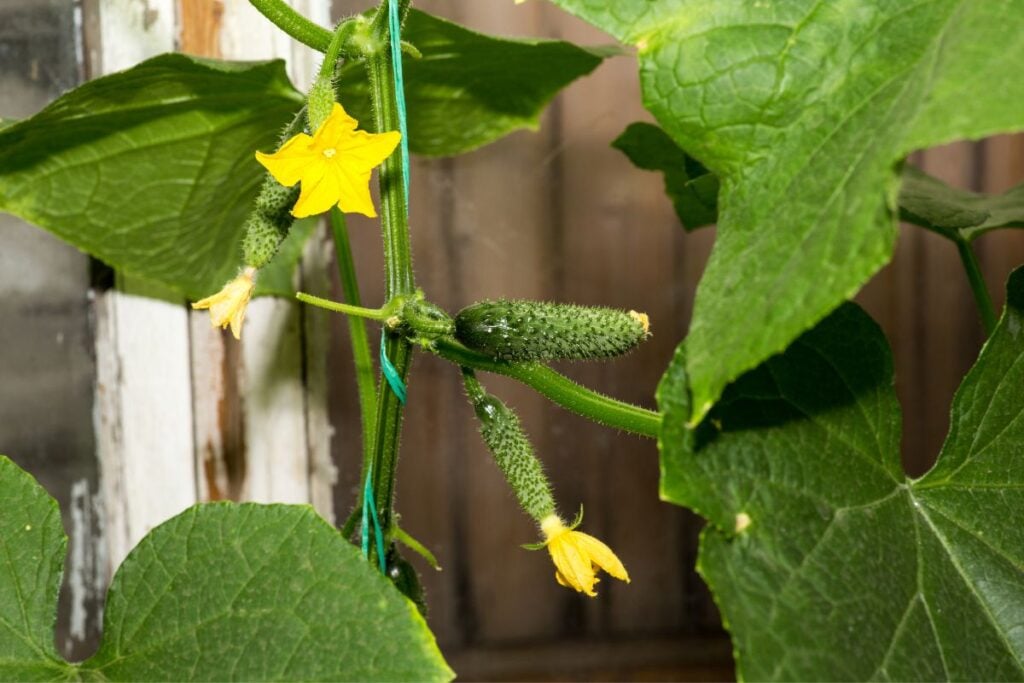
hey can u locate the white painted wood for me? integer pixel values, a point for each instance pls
(144, 404)
(211, 401)
(323, 474)
(286, 432)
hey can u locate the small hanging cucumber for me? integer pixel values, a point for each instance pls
(269, 222)
(505, 438)
(535, 330)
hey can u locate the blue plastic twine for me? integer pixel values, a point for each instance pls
(370, 512)
(390, 373)
(395, 28)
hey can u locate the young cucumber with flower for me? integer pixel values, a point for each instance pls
(325, 161)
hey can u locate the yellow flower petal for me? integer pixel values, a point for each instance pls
(227, 307)
(318, 193)
(368, 149)
(601, 555)
(354, 193)
(334, 165)
(577, 556)
(288, 164)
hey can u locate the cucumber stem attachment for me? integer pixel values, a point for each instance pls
(380, 314)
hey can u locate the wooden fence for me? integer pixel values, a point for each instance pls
(179, 414)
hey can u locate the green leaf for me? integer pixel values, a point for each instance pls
(220, 592)
(924, 200)
(691, 187)
(955, 213)
(827, 562)
(4, 123)
(469, 89)
(32, 549)
(804, 109)
(151, 169)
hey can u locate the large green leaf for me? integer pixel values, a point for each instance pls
(151, 169)
(468, 89)
(826, 561)
(220, 592)
(803, 109)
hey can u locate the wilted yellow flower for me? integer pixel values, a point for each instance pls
(578, 556)
(334, 165)
(227, 307)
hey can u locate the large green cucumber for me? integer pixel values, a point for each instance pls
(536, 330)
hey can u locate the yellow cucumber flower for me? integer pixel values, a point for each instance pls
(333, 165)
(227, 307)
(578, 556)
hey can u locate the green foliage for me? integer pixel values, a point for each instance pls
(33, 545)
(151, 169)
(539, 330)
(691, 187)
(826, 561)
(955, 213)
(803, 109)
(923, 200)
(469, 89)
(220, 592)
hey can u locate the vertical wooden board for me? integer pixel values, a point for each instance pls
(275, 429)
(144, 416)
(47, 369)
(146, 454)
(315, 279)
(620, 232)
(280, 452)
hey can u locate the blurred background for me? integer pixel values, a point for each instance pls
(555, 214)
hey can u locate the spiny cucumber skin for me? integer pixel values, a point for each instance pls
(505, 438)
(534, 330)
(268, 223)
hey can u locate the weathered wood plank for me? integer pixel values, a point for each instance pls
(266, 382)
(47, 370)
(142, 346)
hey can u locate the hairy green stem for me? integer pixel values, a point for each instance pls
(978, 287)
(294, 24)
(361, 355)
(399, 279)
(560, 389)
(379, 314)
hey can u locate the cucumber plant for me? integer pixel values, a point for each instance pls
(786, 124)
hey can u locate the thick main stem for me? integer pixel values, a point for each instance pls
(978, 287)
(398, 269)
